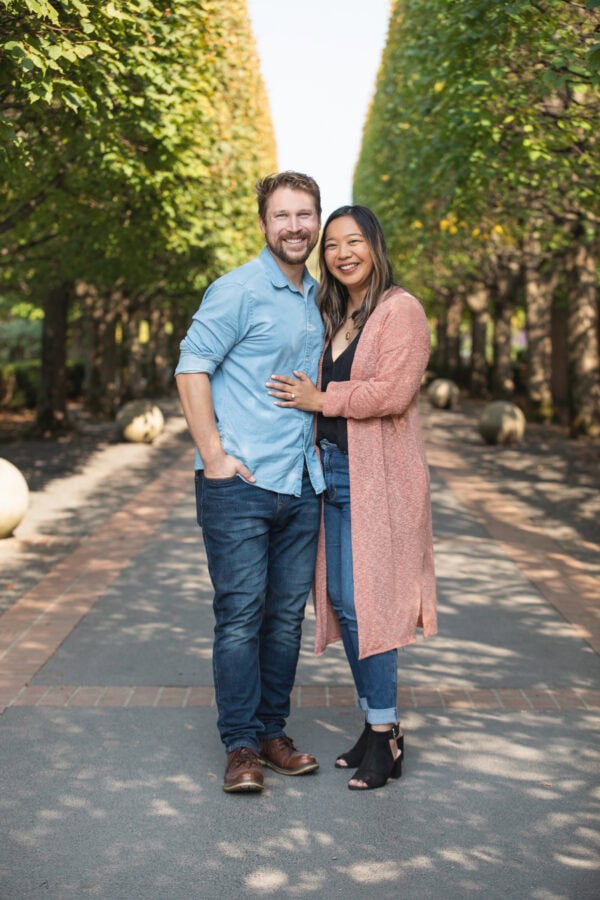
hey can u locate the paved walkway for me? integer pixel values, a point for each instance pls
(110, 764)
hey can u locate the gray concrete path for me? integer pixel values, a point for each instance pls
(110, 763)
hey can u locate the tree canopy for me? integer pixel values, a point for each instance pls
(132, 137)
(482, 139)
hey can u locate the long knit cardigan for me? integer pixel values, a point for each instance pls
(390, 510)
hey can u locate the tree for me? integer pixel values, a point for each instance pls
(133, 133)
(483, 130)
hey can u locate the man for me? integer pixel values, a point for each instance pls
(258, 476)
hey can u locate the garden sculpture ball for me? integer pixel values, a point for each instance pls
(443, 394)
(140, 421)
(14, 497)
(502, 422)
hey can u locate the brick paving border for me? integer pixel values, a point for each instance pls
(311, 696)
(40, 621)
(562, 580)
(37, 624)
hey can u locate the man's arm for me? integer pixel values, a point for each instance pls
(196, 399)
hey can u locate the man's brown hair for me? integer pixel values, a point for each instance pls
(297, 181)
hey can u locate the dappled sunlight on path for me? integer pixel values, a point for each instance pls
(112, 766)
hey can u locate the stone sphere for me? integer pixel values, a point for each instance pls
(140, 421)
(443, 394)
(14, 497)
(502, 422)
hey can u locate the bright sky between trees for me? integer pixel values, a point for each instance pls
(319, 59)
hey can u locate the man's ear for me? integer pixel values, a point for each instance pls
(262, 225)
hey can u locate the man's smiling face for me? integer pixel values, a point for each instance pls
(291, 226)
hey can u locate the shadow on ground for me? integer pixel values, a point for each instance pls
(98, 804)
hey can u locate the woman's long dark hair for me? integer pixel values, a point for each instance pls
(333, 296)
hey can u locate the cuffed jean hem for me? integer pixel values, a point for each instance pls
(382, 716)
(242, 742)
(378, 716)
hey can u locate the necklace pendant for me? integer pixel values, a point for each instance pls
(347, 335)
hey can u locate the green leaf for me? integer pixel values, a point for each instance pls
(44, 9)
(83, 50)
(593, 55)
(72, 101)
(80, 7)
(111, 10)
(15, 49)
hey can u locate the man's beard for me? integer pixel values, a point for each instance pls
(281, 253)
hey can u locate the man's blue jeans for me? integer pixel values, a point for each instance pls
(261, 549)
(375, 677)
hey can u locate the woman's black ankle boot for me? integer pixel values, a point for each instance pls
(378, 763)
(354, 757)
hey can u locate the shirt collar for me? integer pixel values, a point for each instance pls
(278, 279)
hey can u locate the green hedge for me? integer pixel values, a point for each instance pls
(19, 383)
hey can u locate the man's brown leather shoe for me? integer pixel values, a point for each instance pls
(281, 755)
(244, 771)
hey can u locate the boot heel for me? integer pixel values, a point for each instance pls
(397, 768)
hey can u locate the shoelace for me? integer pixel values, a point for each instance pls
(286, 742)
(245, 755)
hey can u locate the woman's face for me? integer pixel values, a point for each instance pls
(347, 255)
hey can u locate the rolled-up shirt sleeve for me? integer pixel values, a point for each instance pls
(218, 325)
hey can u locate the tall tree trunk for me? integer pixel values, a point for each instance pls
(560, 364)
(503, 383)
(582, 341)
(101, 392)
(441, 345)
(447, 353)
(160, 370)
(454, 313)
(134, 357)
(478, 300)
(504, 295)
(52, 414)
(101, 387)
(539, 287)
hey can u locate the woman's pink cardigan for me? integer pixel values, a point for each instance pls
(392, 547)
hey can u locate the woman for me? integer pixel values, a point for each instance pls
(375, 582)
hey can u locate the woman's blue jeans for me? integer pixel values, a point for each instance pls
(261, 549)
(375, 677)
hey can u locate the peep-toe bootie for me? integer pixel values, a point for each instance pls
(354, 756)
(378, 764)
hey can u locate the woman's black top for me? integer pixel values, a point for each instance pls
(335, 428)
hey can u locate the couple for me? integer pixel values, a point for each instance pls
(271, 505)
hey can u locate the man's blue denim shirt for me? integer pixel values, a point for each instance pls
(252, 323)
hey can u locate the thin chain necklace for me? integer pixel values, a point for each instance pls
(348, 334)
